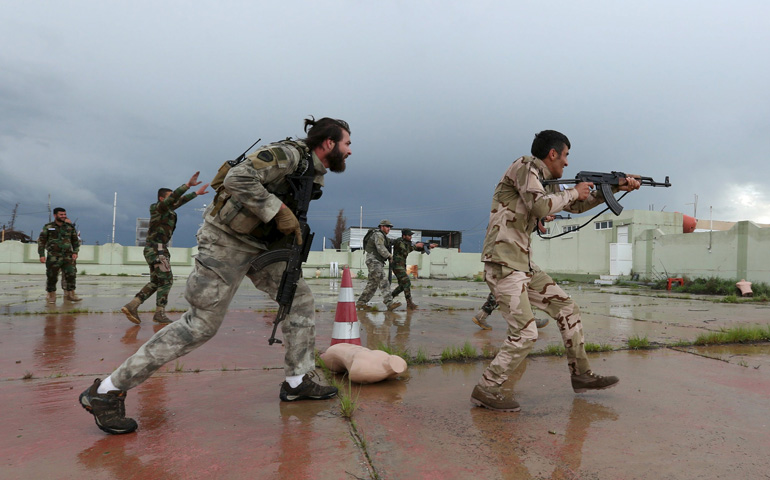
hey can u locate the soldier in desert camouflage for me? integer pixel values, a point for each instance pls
(518, 203)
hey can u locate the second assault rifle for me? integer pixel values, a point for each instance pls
(604, 183)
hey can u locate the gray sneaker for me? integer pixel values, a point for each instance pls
(591, 381)
(108, 409)
(307, 390)
(493, 398)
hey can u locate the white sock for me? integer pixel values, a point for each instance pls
(294, 381)
(106, 386)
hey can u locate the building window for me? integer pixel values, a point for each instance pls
(604, 225)
(569, 228)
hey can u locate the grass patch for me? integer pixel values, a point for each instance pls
(27, 375)
(420, 358)
(735, 335)
(595, 347)
(555, 349)
(178, 367)
(636, 342)
(348, 403)
(453, 353)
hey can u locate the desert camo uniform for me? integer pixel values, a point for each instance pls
(516, 281)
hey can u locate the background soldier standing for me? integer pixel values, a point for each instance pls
(251, 215)
(401, 249)
(377, 248)
(162, 226)
(60, 239)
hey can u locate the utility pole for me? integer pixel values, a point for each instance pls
(361, 218)
(13, 217)
(114, 210)
(49, 208)
(694, 206)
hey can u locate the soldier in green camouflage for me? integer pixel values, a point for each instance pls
(401, 249)
(251, 216)
(377, 247)
(60, 240)
(156, 252)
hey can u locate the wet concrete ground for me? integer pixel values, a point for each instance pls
(690, 412)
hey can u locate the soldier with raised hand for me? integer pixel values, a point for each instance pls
(59, 239)
(156, 253)
(251, 215)
(377, 247)
(401, 249)
(519, 202)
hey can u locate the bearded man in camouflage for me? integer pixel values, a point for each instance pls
(377, 247)
(401, 249)
(60, 240)
(156, 252)
(519, 201)
(251, 215)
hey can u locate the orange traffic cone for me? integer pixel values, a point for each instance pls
(346, 328)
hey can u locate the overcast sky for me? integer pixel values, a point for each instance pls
(102, 97)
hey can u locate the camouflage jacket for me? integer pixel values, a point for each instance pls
(254, 190)
(58, 240)
(517, 203)
(378, 246)
(401, 249)
(163, 216)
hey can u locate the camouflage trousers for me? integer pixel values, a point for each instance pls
(490, 305)
(517, 292)
(377, 279)
(161, 277)
(404, 285)
(221, 264)
(53, 265)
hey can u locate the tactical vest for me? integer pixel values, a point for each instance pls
(371, 247)
(231, 212)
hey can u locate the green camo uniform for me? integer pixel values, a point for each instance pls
(60, 242)
(401, 249)
(162, 226)
(377, 251)
(234, 234)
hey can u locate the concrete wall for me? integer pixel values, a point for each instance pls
(658, 244)
(114, 259)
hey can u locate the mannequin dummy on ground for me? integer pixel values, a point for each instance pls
(745, 288)
(363, 365)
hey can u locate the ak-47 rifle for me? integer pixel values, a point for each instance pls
(296, 254)
(605, 181)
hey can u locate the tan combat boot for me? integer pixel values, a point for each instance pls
(393, 305)
(71, 296)
(480, 319)
(160, 315)
(51, 297)
(494, 398)
(130, 310)
(410, 305)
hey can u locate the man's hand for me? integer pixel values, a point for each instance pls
(74, 256)
(287, 223)
(202, 190)
(194, 180)
(42, 259)
(584, 189)
(629, 184)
